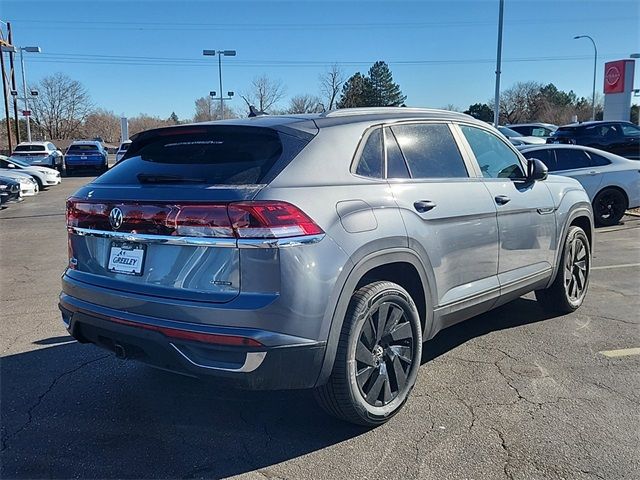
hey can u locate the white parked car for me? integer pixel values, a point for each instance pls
(39, 154)
(122, 150)
(612, 182)
(518, 139)
(535, 129)
(45, 177)
(28, 184)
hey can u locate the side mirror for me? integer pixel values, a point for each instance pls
(11, 165)
(536, 170)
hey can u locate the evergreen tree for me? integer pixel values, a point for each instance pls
(481, 111)
(173, 119)
(382, 91)
(355, 92)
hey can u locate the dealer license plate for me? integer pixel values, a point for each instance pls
(127, 258)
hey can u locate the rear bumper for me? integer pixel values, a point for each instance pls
(89, 162)
(258, 359)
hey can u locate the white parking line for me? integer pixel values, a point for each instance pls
(620, 353)
(622, 265)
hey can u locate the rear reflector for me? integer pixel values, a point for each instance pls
(257, 220)
(231, 340)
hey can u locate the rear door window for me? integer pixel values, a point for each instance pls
(598, 160)
(218, 155)
(430, 151)
(570, 159)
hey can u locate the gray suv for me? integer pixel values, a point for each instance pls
(317, 251)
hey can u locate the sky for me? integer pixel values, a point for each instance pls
(146, 56)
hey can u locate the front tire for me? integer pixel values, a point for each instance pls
(609, 206)
(567, 292)
(378, 356)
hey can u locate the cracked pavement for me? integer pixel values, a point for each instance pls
(512, 394)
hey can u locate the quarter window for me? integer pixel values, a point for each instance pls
(630, 130)
(370, 163)
(494, 157)
(430, 151)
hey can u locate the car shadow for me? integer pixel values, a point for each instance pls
(73, 410)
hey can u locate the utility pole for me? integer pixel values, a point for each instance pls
(496, 106)
(13, 85)
(4, 94)
(24, 91)
(220, 76)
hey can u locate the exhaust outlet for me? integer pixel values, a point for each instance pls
(120, 351)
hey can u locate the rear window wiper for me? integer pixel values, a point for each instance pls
(152, 178)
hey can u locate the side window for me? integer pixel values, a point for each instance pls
(430, 151)
(569, 159)
(370, 162)
(630, 130)
(539, 132)
(546, 156)
(598, 160)
(495, 158)
(396, 164)
(4, 163)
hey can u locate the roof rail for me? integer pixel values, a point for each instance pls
(347, 112)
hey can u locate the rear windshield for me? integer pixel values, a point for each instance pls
(29, 148)
(82, 148)
(217, 155)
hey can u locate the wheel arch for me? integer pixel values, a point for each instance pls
(398, 265)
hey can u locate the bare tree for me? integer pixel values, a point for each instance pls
(304, 104)
(520, 103)
(61, 106)
(146, 122)
(104, 124)
(208, 108)
(331, 83)
(264, 93)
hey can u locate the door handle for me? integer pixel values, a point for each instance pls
(424, 205)
(502, 199)
(593, 172)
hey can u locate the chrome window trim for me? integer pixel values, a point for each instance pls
(198, 241)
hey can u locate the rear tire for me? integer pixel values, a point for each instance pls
(377, 359)
(609, 206)
(567, 292)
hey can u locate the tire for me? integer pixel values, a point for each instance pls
(373, 373)
(609, 206)
(40, 184)
(568, 290)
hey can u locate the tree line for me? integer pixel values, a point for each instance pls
(63, 108)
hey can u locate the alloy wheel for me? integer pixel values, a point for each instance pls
(610, 205)
(384, 354)
(576, 269)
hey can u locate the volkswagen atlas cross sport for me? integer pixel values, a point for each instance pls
(317, 251)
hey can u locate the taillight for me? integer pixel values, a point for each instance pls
(257, 220)
(270, 220)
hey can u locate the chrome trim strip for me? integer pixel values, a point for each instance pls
(252, 361)
(279, 242)
(198, 241)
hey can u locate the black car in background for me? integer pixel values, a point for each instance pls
(621, 138)
(9, 192)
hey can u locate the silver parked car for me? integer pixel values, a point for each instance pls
(39, 154)
(612, 182)
(317, 251)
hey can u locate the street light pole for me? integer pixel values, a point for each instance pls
(220, 53)
(24, 93)
(595, 68)
(496, 106)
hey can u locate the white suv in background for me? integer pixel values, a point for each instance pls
(122, 150)
(39, 154)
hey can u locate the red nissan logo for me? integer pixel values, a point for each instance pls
(613, 75)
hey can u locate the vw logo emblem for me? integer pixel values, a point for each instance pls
(115, 218)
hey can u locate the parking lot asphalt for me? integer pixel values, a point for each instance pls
(510, 394)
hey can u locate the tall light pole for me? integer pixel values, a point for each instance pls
(595, 68)
(496, 106)
(220, 53)
(24, 85)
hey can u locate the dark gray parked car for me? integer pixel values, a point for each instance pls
(317, 251)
